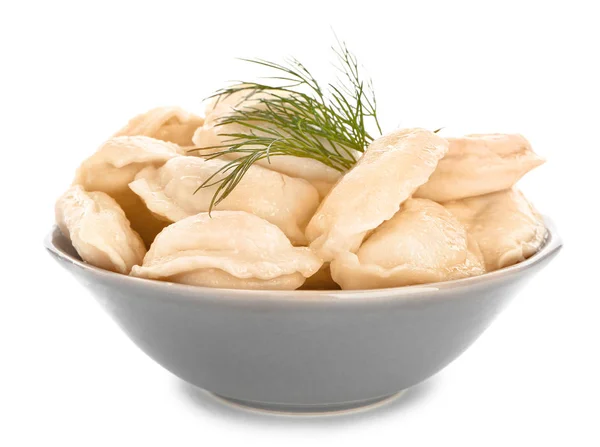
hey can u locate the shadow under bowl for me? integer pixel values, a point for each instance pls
(303, 351)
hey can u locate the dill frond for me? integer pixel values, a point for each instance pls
(292, 114)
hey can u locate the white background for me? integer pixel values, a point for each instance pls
(73, 73)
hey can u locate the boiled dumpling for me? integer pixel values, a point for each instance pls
(115, 164)
(230, 249)
(321, 176)
(506, 227)
(391, 169)
(211, 133)
(171, 124)
(479, 164)
(422, 243)
(99, 230)
(168, 192)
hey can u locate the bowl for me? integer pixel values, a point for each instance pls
(301, 350)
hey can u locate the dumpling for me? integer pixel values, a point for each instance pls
(115, 164)
(422, 243)
(506, 227)
(99, 230)
(210, 133)
(391, 169)
(168, 192)
(231, 249)
(321, 176)
(171, 124)
(480, 164)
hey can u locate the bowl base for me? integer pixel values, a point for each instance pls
(310, 410)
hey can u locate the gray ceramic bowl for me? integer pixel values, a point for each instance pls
(303, 350)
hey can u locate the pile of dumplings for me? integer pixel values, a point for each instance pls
(416, 208)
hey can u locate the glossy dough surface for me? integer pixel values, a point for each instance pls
(171, 124)
(391, 169)
(422, 243)
(99, 230)
(504, 224)
(480, 164)
(168, 191)
(233, 249)
(115, 164)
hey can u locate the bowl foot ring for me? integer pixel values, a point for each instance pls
(310, 410)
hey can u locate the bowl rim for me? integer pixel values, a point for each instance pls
(552, 244)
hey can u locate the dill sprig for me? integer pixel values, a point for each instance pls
(292, 114)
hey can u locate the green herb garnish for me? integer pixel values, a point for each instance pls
(292, 114)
